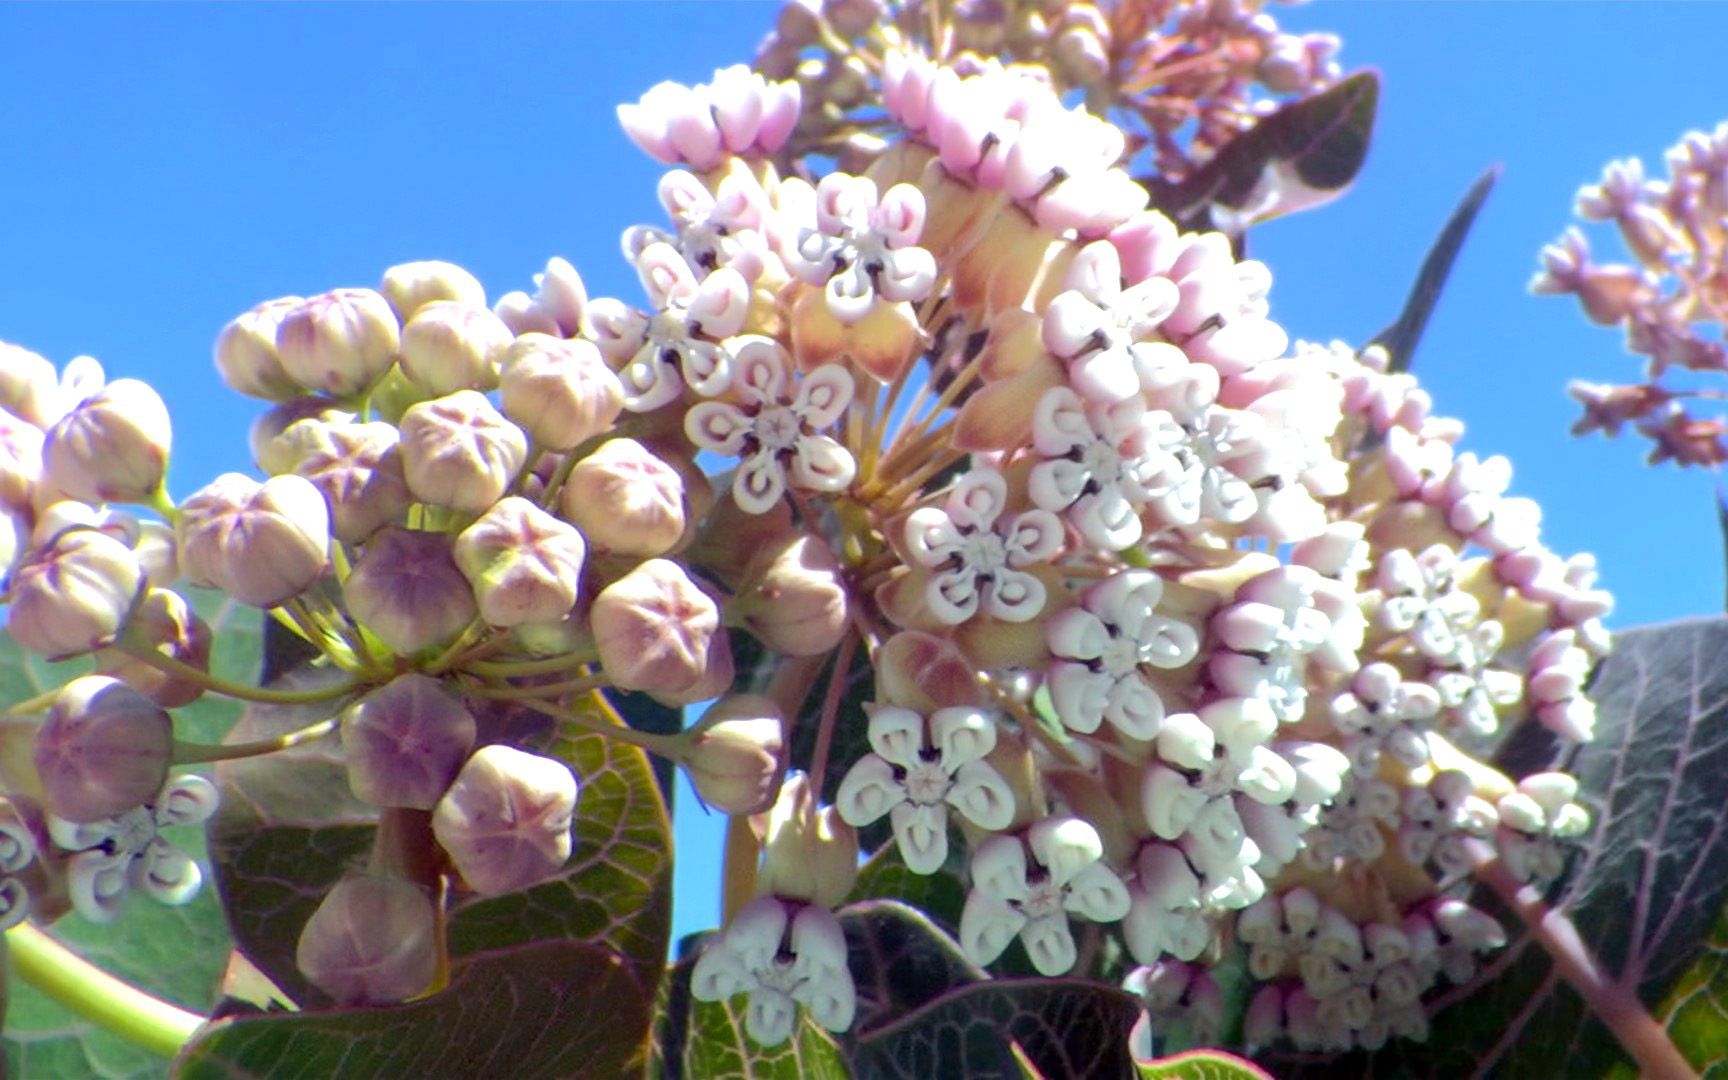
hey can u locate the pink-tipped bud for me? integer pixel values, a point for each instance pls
(356, 467)
(408, 287)
(561, 392)
(737, 756)
(246, 356)
(562, 295)
(163, 621)
(103, 750)
(448, 346)
(505, 822)
(718, 675)
(795, 600)
(808, 853)
(372, 941)
(459, 451)
(625, 499)
(73, 595)
(262, 544)
(29, 385)
(407, 589)
(111, 447)
(405, 742)
(272, 453)
(525, 565)
(652, 628)
(339, 342)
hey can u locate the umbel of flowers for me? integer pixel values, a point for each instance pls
(1176, 627)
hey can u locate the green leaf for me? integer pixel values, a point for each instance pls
(1695, 1011)
(939, 896)
(1644, 891)
(645, 714)
(551, 1009)
(900, 961)
(175, 953)
(617, 891)
(1400, 338)
(1202, 1065)
(705, 1040)
(1064, 1027)
(1300, 156)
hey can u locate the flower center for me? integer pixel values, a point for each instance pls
(778, 428)
(926, 784)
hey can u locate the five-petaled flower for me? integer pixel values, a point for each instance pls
(128, 851)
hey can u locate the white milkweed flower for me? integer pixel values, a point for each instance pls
(977, 556)
(775, 431)
(1384, 713)
(682, 343)
(1032, 898)
(919, 769)
(864, 248)
(1103, 649)
(128, 851)
(783, 954)
(1105, 332)
(1166, 908)
(1536, 824)
(1102, 465)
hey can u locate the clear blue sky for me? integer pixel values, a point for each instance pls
(163, 168)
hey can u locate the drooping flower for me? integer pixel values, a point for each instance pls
(783, 954)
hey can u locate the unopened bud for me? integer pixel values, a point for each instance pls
(72, 596)
(808, 853)
(165, 622)
(560, 392)
(524, 315)
(625, 499)
(448, 346)
(405, 742)
(736, 757)
(260, 543)
(356, 467)
(20, 461)
(339, 342)
(459, 451)
(111, 447)
(410, 286)
(795, 602)
(276, 456)
(562, 295)
(505, 822)
(372, 941)
(29, 385)
(246, 356)
(652, 628)
(407, 589)
(525, 565)
(103, 750)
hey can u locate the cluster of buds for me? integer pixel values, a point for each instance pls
(1175, 628)
(1670, 299)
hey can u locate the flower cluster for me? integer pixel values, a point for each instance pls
(1176, 628)
(1669, 299)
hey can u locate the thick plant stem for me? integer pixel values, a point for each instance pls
(98, 996)
(1615, 1004)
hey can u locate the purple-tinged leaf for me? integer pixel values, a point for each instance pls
(900, 961)
(551, 1009)
(1064, 1027)
(1696, 1009)
(939, 897)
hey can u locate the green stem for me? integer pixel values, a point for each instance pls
(191, 753)
(30, 706)
(98, 996)
(176, 668)
(662, 745)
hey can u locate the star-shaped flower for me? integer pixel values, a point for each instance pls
(128, 851)
(1032, 898)
(1105, 651)
(783, 954)
(978, 558)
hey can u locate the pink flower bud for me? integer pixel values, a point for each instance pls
(808, 853)
(738, 754)
(505, 822)
(795, 601)
(29, 385)
(246, 356)
(410, 286)
(652, 628)
(165, 622)
(405, 742)
(260, 543)
(717, 677)
(339, 342)
(449, 346)
(20, 461)
(112, 446)
(72, 595)
(560, 392)
(459, 451)
(103, 750)
(372, 941)
(406, 588)
(924, 673)
(356, 467)
(525, 565)
(272, 454)
(562, 295)
(625, 499)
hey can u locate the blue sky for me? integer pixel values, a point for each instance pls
(163, 168)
